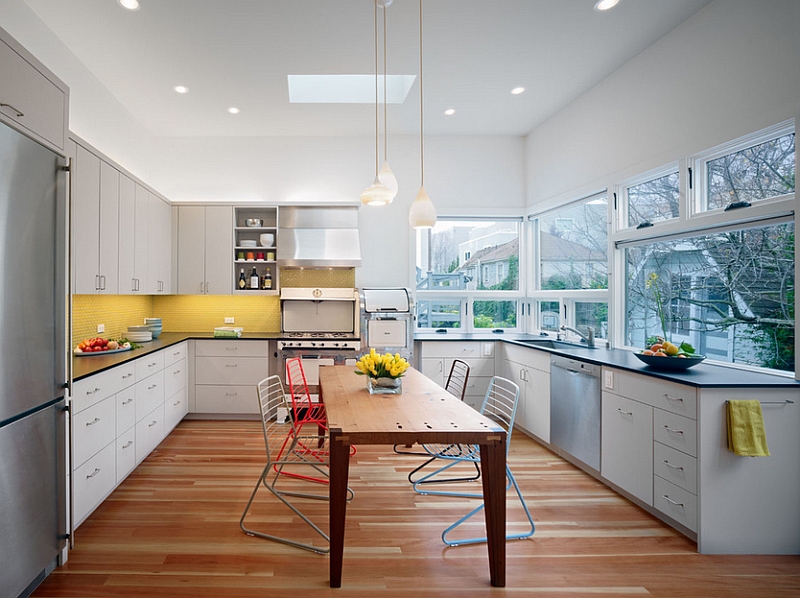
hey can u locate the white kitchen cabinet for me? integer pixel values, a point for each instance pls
(226, 375)
(436, 359)
(93, 481)
(530, 370)
(95, 205)
(159, 246)
(205, 239)
(32, 99)
(141, 223)
(126, 236)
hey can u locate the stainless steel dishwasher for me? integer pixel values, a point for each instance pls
(575, 409)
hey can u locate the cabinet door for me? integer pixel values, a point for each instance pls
(433, 368)
(158, 245)
(219, 250)
(191, 250)
(86, 221)
(109, 229)
(536, 418)
(126, 237)
(140, 227)
(627, 445)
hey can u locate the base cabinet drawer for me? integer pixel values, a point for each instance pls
(230, 370)
(676, 431)
(175, 353)
(126, 409)
(675, 466)
(149, 394)
(675, 502)
(226, 399)
(175, 408)
(94, 480)
(94, 428)
(232, 348)
(175, 377)
(149, 432)
(126, 453)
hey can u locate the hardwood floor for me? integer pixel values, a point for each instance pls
(172, 530)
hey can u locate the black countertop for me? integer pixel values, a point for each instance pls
(702, 375)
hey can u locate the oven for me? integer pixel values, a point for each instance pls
(321, 326)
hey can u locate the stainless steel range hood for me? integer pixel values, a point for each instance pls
(319, 237)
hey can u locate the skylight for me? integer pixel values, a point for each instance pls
(347, 89)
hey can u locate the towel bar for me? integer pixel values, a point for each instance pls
(785, 402)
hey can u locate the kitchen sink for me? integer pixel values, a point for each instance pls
(548, 343)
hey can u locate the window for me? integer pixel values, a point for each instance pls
(437, 313)
(730, 294)
(653, 200)
(573, 246)
(549, 316)
(494, 314)
(463, 255)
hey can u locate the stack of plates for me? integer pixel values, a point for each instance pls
(247, 243)
(155, 326)
(139, 334)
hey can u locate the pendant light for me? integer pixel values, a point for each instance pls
(376, 194)
(386, 176)
(423, 212)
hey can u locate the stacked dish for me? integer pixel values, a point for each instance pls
(247, 243)
(155, 326)
(139, 334)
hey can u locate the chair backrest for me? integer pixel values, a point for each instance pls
(296, 381)
(500, 404)
(272, 397)
(456, 383)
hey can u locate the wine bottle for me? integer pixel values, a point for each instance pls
(254, 279)
(242, 281)
(267, 282)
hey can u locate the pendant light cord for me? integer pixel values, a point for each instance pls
(385, 100)
(375, 7)
(421, 138)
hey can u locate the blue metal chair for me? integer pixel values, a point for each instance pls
(500, 405)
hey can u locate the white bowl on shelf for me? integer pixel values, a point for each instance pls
(266, 239)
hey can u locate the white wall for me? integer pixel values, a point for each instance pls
(731, 69)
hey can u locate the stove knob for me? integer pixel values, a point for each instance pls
(313, 344)
(335, 344)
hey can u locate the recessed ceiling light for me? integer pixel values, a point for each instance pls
(181, 89)
(450, 111)
(517, 90)
(606, 4)
(234, 110)
(129, 4)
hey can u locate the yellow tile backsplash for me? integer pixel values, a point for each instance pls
(196, 313)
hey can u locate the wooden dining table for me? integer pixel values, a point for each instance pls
(423, 413)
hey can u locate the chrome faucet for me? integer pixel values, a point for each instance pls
(589, 339)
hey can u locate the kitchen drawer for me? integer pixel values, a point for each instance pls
(175, 407)
(149, 432)
(93, 481)
(669, 396)
(94, 428)
(675, 466)
(126, 409)
(230, 370)
(149, 394)
(226, 399)
(28, 91)
(226, 348)
(149, 364)
(476, 390)
(676, 503)
(477, 367)
(676, 431)
(175, 353)
(126, 453)
(93, 389)
(175, 377)
(456, 349)
(387, 333)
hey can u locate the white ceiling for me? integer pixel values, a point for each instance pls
(239, 53)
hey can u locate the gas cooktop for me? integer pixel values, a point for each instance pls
(321, 335)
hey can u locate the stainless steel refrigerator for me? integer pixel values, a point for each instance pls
(33, 361)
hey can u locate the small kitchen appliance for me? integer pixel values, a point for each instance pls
(387, 321)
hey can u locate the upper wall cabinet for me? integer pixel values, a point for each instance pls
(159, 246)
(204, 243)
(32, 99)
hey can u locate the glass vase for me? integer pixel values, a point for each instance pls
(384, 386)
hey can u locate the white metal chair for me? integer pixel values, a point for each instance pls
(291, 457)
(500, 405)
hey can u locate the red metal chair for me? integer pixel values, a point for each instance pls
(304, 410)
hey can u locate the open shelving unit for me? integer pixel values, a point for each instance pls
(263, 256)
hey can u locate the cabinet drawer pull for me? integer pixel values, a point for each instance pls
(152, 423)
(176, 403)
(672, 502)
(231, 365)
(176, 353)
(673, 430)
(231, 348)
(128, 402)
(628, 413)
(231, 394)
(176, 372)
(670, 465)
(676, 399)
(152, 387)
(127, 444)
(152, 364)
(94, 473)
(91, 392)
(128, 375)
(19, 114)
(93, 422)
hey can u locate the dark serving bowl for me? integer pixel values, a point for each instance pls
(670, 363)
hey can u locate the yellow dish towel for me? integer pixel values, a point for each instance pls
(746, 434)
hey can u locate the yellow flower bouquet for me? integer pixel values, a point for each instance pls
(383, 371)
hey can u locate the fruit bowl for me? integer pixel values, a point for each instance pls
(670, 363)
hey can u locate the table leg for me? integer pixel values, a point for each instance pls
(493, 474)
(339, 470)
